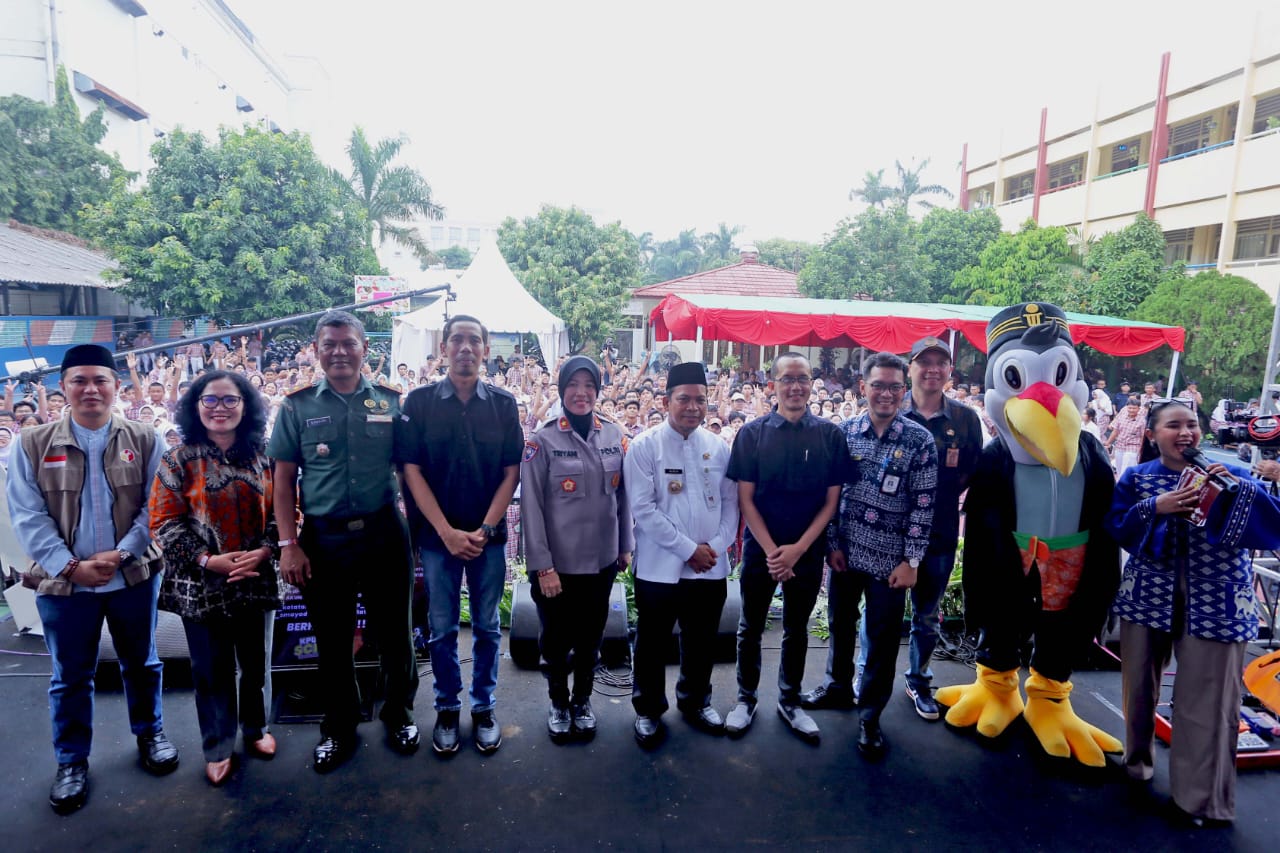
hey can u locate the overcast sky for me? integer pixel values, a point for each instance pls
(673, 115)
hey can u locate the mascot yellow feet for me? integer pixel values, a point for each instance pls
(992, 701)
(1060, 731)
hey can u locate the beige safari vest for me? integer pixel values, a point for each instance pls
(129, 446)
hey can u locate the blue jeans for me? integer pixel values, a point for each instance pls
(72, 628)
(486, 576)
(926, 595)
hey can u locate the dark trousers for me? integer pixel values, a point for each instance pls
(373, 561)
(798, 597)
(572, 625)
(884, 611)
(696, 605)
(217, 645)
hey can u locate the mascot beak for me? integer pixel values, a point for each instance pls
(1047, 425)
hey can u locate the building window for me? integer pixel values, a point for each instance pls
(1019, 186)
(1177, 245)
(1258, 238)
(1126, 155)
(1066, 173)
(1266, 115)
(473, 236)
(437, 236)
(1190, 136)
(981, 197)
(455, 236)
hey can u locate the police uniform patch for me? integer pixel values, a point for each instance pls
(127, 455)
(530, 450)
(617, 478)
(568, 484)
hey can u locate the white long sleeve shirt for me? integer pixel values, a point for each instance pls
(680, 498)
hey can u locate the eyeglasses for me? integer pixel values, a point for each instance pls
(794, 380)
(229, 401)
(891, 387)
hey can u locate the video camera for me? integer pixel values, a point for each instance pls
(1242, 425)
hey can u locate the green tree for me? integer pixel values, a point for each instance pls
(952, 240)
(785, 254)
(718, 247)
(876, 254)
(579, 271)
(1125, 267)
(910, 188)
(1228, 323)
(50, 165)
(1013, 268)
(391, 196)
(675, 258)
(874, 191)
(455, 257)
(248, 228)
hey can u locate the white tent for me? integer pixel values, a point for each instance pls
(489, 291)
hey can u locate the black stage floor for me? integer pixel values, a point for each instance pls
(936, 790)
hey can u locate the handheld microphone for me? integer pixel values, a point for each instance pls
(1195, 457)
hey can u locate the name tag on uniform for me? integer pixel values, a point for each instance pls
(316, 422)
(889, 485)
(378, 419)
(953, 457)
(673, 471)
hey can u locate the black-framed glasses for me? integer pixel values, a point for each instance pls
(891, 387)
(228, 401)
(794, 380)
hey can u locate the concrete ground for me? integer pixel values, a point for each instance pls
(936, 790)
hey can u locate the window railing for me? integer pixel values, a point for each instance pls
(1122, 172)
(1014, 200)
(1254, 262)
(1063, 187)
(1204, 150)
(1267, 132)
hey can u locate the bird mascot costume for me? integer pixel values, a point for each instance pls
(1040, 571)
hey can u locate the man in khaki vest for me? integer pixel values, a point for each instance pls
(78, 492)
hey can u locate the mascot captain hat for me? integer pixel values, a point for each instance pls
(1010, 323)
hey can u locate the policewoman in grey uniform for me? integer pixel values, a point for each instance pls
(338, 432)
(576, 523)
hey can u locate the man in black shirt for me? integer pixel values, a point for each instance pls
(789, 466)
(460, 443)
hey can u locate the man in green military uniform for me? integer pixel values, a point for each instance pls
(353, 539)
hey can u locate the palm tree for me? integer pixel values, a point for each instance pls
(909, 186)
(391, 196)
(718, 244)
(873, 191)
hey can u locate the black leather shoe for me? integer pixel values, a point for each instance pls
(486, 731)
(444, 737)
(823, 698)
(705, 719)
(584, 719)
(648, 731)
(870, 739)
(70, 787)
(331, 752)
(157, 754)
(404, 739)
(559, 723)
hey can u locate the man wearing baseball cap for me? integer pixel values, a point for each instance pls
(78, 491)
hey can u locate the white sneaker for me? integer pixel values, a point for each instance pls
(799, 722)
(739, 718)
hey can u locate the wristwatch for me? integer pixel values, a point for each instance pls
(489, 530)
(913, 563)
(203, 562)
(125, 556)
